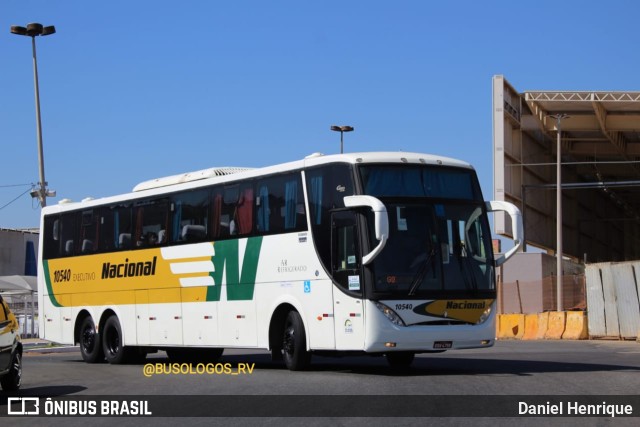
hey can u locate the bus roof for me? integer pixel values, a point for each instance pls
(188, 177)
(311, 160)
(223, 174)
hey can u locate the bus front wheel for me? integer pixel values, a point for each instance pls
(90, 345)
(294, 343)
(112, 344)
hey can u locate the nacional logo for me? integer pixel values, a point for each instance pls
(461, 305)
(129, 269)
(466, 310)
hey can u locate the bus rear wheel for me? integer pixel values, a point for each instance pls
(112, 344)
(90, 345)
(294, 343)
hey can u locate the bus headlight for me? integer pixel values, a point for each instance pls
(484, 316)
(390, 314)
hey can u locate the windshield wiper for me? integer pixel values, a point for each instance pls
(424, 269)
(466, 269)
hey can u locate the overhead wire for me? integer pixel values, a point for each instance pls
(21, 194)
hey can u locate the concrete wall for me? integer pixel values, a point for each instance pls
(528, 284)
(532, 266)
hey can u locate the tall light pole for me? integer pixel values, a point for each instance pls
(32, 30)
(559, 269)
(342, 130)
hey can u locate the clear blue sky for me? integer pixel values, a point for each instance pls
(134, 90)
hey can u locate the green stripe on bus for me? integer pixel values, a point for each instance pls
(47, 279)
(240, 284)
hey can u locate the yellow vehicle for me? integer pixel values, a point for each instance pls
(10, 349)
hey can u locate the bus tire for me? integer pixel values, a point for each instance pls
(400, 359)
(112, 344)
(90, 344)
(294, 343)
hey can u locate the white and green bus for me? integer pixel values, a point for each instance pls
(365, 253)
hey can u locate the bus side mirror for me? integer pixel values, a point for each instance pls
(380, 218)
(516, 226)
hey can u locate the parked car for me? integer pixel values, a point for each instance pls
(10, 349)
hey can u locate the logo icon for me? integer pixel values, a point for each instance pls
(23, 406)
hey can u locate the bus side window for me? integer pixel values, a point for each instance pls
(225, 203)
(294, 210)
(263, 211)
(116, 228)
(217, 226)
(244, 211)
(67, 227)
(151, 216)
(105, 226)
(326, 188)
(189, 221)
(51, 239)
(88, 232)
(233, 211)
(270, 206)
(280, 204)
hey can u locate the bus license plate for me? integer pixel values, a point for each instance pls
(442, 344)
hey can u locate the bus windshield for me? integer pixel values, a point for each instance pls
(439, 240)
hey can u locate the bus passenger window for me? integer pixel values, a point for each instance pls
(233, 211)
(51, 239)
(244, 212)
(189, 222)
(225, 209)
(67, 234)
(151, 217)
(280, 204)
(217, 221)
(115, 228)
(88, 232)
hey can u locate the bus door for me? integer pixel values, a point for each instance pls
(346, 269)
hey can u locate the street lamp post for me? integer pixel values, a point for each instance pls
(559, 273)
(32, 30)
(342, 130)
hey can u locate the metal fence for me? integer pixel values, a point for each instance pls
(26, 311)
(614, 305)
